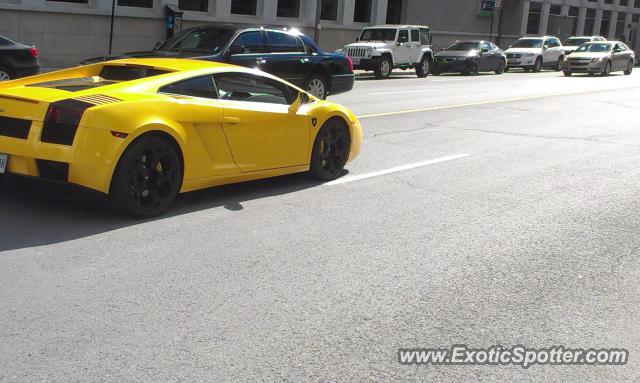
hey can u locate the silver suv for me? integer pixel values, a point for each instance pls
(384, 47)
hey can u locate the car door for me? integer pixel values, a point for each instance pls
(247, 49)
(287, 58)
(200, 111)
(261, 131)
(554, 51)
(415, 53)
(620, 57)
(486, 57)
(402, 50)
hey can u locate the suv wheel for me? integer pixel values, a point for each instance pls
(317, 86)
(538, 65)
(423, 68)
(383, 68)
(558, 67)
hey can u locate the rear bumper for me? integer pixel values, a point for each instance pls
(26, 71)
(89, 162)
(342, 83)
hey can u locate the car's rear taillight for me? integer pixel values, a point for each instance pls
(350, 63)
(34, 52)
(62, 120)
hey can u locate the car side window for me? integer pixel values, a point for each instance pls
(494, 47)
(487, 46)
(249, 42)
(424, 36)
(403, 36)
(415, 35)
(284, 43)
(201, 86)
(252, 88)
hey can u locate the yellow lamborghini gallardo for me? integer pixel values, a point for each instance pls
(144, 130)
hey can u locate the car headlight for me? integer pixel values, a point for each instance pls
(593, 61)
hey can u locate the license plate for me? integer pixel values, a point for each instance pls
(514, 62)
(4, 158)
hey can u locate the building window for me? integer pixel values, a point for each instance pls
(362, 11)
(329, 10)
(71, 1)
(136, 3)
(244, 7)
(394, 12)
(288, 8)
(608, 1)
(533, 22)
(620, 26)
(624, 3)
(555, 10)
(574, 11)
(606, 21)
(590, 21)
(194, 5)
(636, 4)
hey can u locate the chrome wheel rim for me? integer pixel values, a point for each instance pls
(316, 88)
(425, 66)
(4, 76)
(384, 68)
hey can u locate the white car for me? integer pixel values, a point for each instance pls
(573, 42)
(535, 53)
(384, 47)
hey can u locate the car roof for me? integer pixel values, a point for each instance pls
(397, 26)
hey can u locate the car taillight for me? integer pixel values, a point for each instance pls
(62, 120)
(350, 64)
(34, 52)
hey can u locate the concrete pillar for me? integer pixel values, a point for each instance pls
(222, 9)
(597, 22)
(525, 17)
(269, 11)
(627, 22)
(381, 12)
(308, 11)
(613, 23)
(347, 12)
(582, 19)
(544, 19)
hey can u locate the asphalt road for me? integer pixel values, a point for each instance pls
(497, 210)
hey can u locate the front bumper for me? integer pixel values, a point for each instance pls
(365, 63)
(521, 62)
(89, 162)
(444, 66)
(578, 67)
(342, 83)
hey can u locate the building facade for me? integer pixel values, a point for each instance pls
(68, 31)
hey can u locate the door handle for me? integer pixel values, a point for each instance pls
(231, 120)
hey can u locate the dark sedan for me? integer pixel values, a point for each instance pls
(289, 55)
(17, 60)
(470, 58)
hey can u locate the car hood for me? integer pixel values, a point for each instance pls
(370, 44)
(456, 53)
(524, 50)
(588, 55)
(145, 54)
(570, 48)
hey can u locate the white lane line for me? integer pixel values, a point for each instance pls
(396, 169)
(406, 91)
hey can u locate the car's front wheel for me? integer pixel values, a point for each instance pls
(330, 150)
(317, 86)
(147, 178)
(566, 73)
(537, 67)
(5, 74)
(629, 68)
(382, 68)
(473, 69)
(423, 67)
(502, 67)
(607, 69)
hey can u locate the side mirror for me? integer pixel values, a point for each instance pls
(300, 100)
(545, 47)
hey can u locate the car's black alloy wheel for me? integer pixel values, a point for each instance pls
(607, 69)
(558, 67)
(538, 65)
(629, 69)
(330, 150)
(473, 68)
(502, 67)
(147, 178)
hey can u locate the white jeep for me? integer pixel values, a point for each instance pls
(384, 47)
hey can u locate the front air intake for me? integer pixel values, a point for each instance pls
(53, 170)
(62, 120)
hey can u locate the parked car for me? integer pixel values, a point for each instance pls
(535, 53)
(572, 43)
(384, 47)
(17, 60)
(600, 57)
(287, 54)
(470, 58)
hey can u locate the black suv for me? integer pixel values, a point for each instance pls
(289, 55)
(17, 60)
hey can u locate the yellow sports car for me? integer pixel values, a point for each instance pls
(143, 130)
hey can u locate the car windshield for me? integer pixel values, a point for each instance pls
(595, 47)
(378, 34)
(575, 41)
(528, 43)
(208, 40)
(463, 47)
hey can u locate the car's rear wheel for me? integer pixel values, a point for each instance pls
(566, 73)
(506, 69)
(317, 86)
(382, 69)
(423, 67)
(502, 67)
(147, 178)
(607, 69)
(330, 150)
(537, 67)
(629, 68)
(558, 67)
(5, 74)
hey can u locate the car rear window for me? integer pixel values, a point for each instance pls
(129, 72)
(5, 41)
